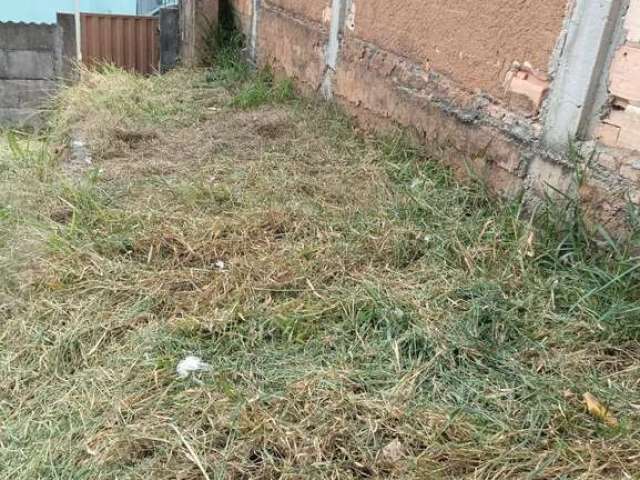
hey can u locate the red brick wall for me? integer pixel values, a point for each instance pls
(469, 77)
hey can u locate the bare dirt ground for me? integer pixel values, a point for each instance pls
(361, 313)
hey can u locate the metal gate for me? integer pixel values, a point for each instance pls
(129, 42)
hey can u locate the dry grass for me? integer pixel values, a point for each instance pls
(373, 317)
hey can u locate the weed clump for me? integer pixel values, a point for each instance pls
(263, 89)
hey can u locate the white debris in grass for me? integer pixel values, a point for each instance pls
(189, 365)
(80, 152)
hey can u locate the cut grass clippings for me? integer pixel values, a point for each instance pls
(362, 314)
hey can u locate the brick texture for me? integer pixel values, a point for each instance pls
(632, 23)
(625, 74)
(526, 83)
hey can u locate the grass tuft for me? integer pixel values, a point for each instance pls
(263, 89)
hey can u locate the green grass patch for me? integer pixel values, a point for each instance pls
(363, 314)
(263, 89)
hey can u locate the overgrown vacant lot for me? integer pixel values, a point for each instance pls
(363, 314)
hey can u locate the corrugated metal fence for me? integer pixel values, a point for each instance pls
(130, 42)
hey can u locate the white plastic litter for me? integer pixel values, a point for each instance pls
(191, 364)
(80, 152)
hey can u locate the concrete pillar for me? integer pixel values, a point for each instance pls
(169, 38)
(578, 90)
(66, 23)
(253, 40)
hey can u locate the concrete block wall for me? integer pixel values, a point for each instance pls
(169, 38)
(30, 67)
(503, 87)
